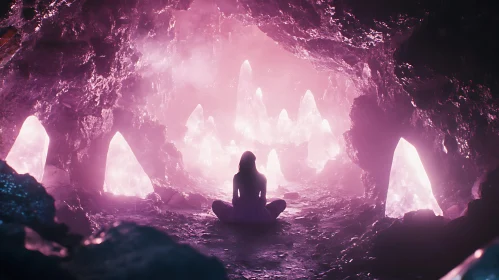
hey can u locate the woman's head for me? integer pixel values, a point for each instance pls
(247, 162)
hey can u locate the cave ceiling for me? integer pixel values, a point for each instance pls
(427, 71)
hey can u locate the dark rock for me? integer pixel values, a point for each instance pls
(484, 261)
(421, 218)
(292, 195)
(5, 7)
(166, 193)
(24, 200)
(154, 197)
(75, 218)
(10, 42)
(138, 252)
(197, 201)
(178, 200)
(16, 258)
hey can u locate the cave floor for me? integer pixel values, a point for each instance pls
(304, 244)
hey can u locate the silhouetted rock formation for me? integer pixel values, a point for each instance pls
(30, 238)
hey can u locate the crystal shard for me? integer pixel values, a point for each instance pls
(409, 188)
(309, 118)
(194, 124)
(245, 90)
(29, 152)
(273, 172)
(483, 264)
(322, 147)
(284, 127)
(259, 112)
(124, 174)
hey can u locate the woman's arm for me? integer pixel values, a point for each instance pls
(235, 188)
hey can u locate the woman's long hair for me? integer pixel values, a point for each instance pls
(247, 164)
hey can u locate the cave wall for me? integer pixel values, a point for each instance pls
(428, 69)
(72, 64)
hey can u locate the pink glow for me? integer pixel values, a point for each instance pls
(124, 174)
(260, 96)
(29, 152)
(321, 147)
(275, 178)
(204, 151)
(409, 188)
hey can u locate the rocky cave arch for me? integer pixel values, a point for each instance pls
(124, 174)
(28, 154)
(425, 69)
(409, 187)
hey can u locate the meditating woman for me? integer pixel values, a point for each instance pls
(249, 197)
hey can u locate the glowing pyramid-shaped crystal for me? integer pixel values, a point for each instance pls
(322, 147)
(29, 152)
(124, 174)
(409, 188)
(273, 172)
(194, 124)
(309, 119)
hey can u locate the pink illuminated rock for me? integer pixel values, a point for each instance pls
(409, 188)
(124, 174)
(29, 152)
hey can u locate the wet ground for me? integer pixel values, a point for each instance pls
(313, 238)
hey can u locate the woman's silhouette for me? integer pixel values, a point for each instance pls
(248, 197)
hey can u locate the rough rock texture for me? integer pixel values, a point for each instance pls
(24, 201)
(75, 69)
(429, 70)
(15, 257)
(120, 251)
(437, 245)
(138, 252)
(29, 236)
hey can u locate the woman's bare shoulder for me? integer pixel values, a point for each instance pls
(262, 177)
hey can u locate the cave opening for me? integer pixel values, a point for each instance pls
(409, 188)
(124, 174)
(29, 151)
(150, 104)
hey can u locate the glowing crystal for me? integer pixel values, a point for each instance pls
(309, 118)
(245, 91)
(322, 147)
(124, 174)
(284, 127)
(29, 152)
(194, 124)
(259, 112)
(409, 188)
(273, 172)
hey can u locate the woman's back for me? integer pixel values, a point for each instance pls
(250, 185)
(248, 197)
